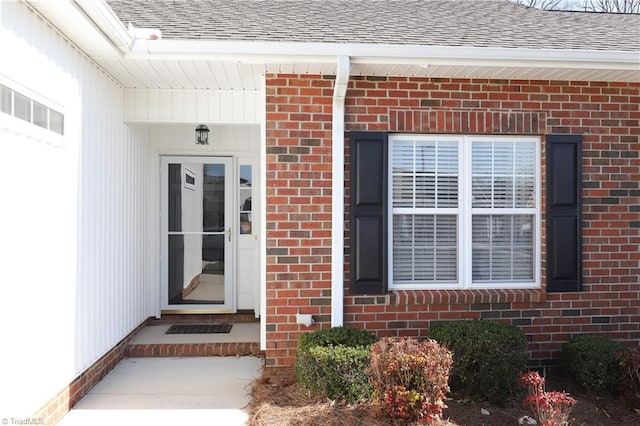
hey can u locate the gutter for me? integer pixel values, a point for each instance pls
(253, 52)
(106, 21)
(337, 191)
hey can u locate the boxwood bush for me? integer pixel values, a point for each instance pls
(488, 357)
(594, 362)
(334, 362)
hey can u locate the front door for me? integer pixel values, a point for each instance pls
(197, 223)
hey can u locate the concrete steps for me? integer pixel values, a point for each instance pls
(151, 340)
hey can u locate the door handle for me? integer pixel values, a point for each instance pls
(229, 234)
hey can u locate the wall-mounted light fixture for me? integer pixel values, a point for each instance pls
(202, 135)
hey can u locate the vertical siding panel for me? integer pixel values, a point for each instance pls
(165, 103)
(151, 108)
(202, 106)
(178, 105)
(238, 106)
(226, 106)
(185, 106)
(215, 102)
(251, 106)
(190, 104)
(129, 104)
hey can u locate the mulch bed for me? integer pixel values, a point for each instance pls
(278, 400)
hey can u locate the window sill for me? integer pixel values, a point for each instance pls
(431, 297)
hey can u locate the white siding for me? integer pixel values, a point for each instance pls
(188, 106)
(76, 264)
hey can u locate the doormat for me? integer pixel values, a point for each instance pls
(199, 329)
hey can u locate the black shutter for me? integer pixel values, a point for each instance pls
(368, 213)
(564, 211)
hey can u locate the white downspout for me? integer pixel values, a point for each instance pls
(337, 190)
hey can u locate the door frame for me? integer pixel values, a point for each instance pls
(229, 305)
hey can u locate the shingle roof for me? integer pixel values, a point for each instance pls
(479, 23)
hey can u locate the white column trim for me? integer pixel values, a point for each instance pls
(337, 186)
(262, 232)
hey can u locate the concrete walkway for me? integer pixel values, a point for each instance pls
(170, 391)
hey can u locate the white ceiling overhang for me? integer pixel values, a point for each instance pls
(239, 65)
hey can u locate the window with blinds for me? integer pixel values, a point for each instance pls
(503, 210)
(465, 212)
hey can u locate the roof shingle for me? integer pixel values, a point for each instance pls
(484, 23)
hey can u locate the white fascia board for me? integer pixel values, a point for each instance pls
(268, 52)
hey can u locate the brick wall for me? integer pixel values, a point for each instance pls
(298, 185)
(298, 209)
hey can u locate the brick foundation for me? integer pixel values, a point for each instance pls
(607, 115)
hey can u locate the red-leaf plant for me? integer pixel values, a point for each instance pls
(410, 378)
(548, 408)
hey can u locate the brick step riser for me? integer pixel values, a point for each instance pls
(203, 318)
(192, 349)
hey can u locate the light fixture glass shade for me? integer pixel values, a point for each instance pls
(202, 135)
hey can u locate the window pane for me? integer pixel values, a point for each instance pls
(5, 99)
(425, 174)
(425, 248)
(21, 107)
(425, 190)
(502, 248)
(503, 158)
(213, 180)
(524, 155)
(503, 191)
(425, 160)
(402, 164)
(525, 191)
(403, 190)
(447, 187)
(246, 196)
(503, 174)
(40, 113)
(56, 122)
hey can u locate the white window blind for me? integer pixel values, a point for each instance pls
(503, 180)
(425, 204)
(465, 211)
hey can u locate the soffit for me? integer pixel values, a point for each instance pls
(222, 75)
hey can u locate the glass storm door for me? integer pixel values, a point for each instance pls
(196, 234)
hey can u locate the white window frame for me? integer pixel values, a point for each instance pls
(9, 121)
(466, 212)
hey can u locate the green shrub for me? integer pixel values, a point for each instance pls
(410, 377)
(334, 362)
(593, 362)
(335, 336)
(488, 357)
